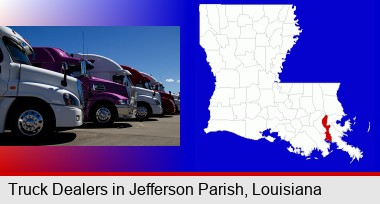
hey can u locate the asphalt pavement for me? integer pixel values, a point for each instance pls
(157, 131)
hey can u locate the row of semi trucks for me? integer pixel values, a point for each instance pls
(45, 89)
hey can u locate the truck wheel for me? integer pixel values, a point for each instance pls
(31, 121)
(103, 115)
(143, 112)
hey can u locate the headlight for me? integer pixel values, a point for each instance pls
(157, 101)
(123, 102)
(70, 100)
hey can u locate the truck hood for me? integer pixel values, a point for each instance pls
(166, 95)
(38, 75)
(109, 86)
(146, 92)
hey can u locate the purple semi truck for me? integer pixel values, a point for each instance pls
(104, 100)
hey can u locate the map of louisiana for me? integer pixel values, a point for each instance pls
(246, 46)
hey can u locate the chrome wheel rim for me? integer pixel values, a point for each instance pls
(142, 112)
(30, 123)
(103, 115)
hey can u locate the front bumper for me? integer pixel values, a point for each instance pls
(126, 111)
(67, 116)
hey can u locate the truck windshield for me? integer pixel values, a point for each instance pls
(158, 87)
(17, 53)
(120, 79)
(147, 86)
(161, 88)
(75, 70)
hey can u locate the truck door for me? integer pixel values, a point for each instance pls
(128, 85)
(4, 75)
(86, 86)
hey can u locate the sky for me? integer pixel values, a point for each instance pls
(151, 49)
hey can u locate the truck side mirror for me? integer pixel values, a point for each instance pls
(65, 69)
(154, 93)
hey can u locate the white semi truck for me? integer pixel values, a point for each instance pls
(34, 102)
(148, 102)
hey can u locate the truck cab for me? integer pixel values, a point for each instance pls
(34, 102)
(148, 102)
(170, 98)
(104, 100)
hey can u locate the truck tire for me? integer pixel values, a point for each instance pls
(31, 121)
(143, 111)
(103, 115)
